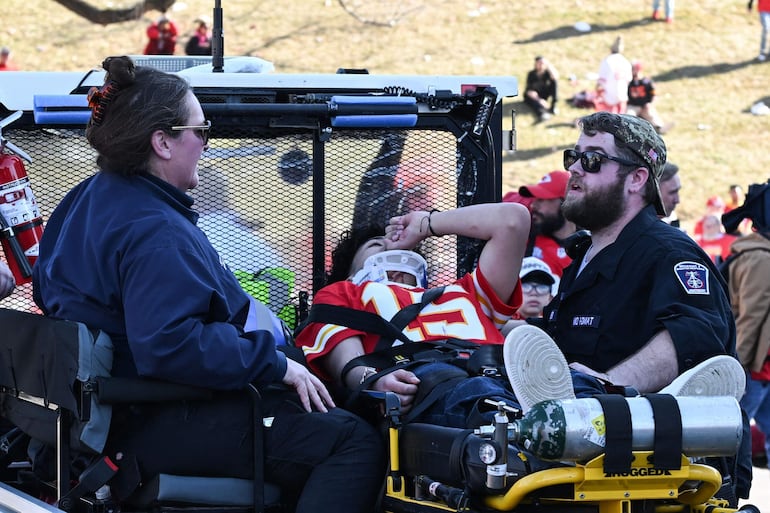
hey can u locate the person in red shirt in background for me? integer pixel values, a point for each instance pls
(5, 64)
(713, 240)
(162, 36)
(715, 206)
(515, 197)
(549, 227)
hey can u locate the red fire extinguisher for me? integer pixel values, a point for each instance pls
(21, 225)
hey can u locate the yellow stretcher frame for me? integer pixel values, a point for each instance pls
(688, 489)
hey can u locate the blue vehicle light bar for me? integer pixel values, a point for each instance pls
(61, 109)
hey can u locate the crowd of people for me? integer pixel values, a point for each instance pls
(621, 87)
(162, 37)
(582, 300)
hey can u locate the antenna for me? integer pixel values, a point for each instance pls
(217, 40)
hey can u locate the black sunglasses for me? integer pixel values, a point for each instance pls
(592, 160)
(201, 131)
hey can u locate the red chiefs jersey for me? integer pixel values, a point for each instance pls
(468, 309)
(717, 247)
(549, 251)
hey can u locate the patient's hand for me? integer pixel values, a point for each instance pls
(311, 391)
(587, 370)
(401, 382)
(405, 232)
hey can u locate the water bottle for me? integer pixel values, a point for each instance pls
(574, 429)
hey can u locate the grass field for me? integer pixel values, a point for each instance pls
(704, 63)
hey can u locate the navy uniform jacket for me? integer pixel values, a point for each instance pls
(653, 277)
(123, 254)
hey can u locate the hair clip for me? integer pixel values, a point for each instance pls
(99, 99)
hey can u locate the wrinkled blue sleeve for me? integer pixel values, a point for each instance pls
(185, 318)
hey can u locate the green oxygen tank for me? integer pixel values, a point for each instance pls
(574, 429)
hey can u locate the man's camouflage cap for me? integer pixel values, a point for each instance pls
(640, 138)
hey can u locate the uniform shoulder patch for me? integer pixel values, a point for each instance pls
(693, 277)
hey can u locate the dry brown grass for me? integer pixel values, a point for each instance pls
(704, 63)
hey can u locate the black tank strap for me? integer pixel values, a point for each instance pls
(668, 431)
(617, 420)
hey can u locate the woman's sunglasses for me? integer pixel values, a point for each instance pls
(201, 131)
(591, 160)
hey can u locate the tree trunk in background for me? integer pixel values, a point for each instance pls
(107, 16)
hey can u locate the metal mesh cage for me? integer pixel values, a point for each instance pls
(274, 202)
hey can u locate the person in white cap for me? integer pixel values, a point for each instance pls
(538, 286)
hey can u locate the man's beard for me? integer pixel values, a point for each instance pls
(548, 225)
(598, 208)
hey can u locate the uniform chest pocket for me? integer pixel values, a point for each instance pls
(583, 338)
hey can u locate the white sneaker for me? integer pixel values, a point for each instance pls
(720, 375)
(536, 367)
(761, 57)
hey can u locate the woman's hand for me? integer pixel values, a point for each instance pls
(7, 282)
(311, 391)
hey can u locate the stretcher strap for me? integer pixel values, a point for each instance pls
(617, 420)
(668, 431)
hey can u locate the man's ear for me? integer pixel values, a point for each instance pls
(639, 179)
(160, 144)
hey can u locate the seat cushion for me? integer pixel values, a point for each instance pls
(209, 491)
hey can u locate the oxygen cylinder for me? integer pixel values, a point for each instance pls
(21, 225)
(574, 429)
